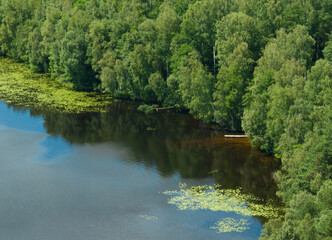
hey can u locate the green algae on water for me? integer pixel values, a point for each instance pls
(214, 198)
(231, 225)
(20, 86)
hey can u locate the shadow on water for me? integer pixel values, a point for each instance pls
(172, 143)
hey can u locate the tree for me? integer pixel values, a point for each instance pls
(73, 58)
(232, 80)
(142, 64)
(15, 14)
(108, 76)
(199, 29)
(158, 86)
(167, 25)
(328, 49)
(288, 86)
(196, 86)
(234, 29)
(228, 97)
(296, 45)
(237, 44)
(98, 43)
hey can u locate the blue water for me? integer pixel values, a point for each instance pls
(83, 185)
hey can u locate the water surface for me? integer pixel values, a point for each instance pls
(102, 175)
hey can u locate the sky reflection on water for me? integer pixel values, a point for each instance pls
(94, 176)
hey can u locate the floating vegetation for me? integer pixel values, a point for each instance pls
(147, 217)
(231, 225)
(214, 198)
(20, 86)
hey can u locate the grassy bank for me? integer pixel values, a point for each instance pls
(20, 86)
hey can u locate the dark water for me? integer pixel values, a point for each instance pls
(102, 175)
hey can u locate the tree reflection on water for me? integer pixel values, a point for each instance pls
(172, 143)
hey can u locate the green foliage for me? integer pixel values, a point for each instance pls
(196, 87)
(179, 56)
(264, 65)
(278, 79)
(305, 145)
(141, 64)
(158, 86)
(234, 29)
(199, 26)
(232, 80)
(72, 59)
(328, 49)
(81, 4)
(147, 108)
(228, 97)
(73, 40)
(108, 75)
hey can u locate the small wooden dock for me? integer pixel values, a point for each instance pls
(236, 136)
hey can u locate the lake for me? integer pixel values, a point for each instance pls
(126, 175)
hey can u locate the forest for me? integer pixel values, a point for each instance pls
(261, 66)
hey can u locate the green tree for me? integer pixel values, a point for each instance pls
(142, 64)
(232, 80)
(289, 84)
(158, 86)
(73, 58)
(167, 25)
(15, 13)
(328, 49)
(196, 86)
(228, 97)
(98, 43)
(108, 75)
(234, 29)
(296, 45)
(198, 26)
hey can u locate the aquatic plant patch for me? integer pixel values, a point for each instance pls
(214, 198)
(20, 86)
(231, 225)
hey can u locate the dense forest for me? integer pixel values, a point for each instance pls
(264, 66)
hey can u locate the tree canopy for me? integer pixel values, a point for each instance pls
(259, 66)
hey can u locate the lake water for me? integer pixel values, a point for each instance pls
(103, 176)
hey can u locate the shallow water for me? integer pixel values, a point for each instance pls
(103, 175)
